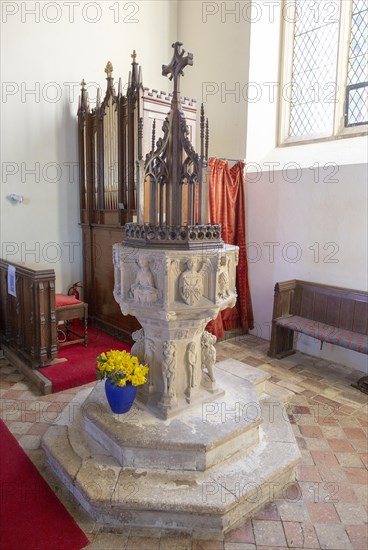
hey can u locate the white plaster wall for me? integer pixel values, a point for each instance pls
(42, 128)
(218, 35)
(323, 211)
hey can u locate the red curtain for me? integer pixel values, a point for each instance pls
(227, 206)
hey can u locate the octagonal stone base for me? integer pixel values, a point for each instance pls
(199, 438)
(203, 471)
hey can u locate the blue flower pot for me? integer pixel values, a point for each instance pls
(120, 398)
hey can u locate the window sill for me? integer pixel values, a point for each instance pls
(350, 150)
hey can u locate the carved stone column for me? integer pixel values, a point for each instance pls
(174, 294)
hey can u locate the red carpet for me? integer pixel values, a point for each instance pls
(80, 367)
(31, 516)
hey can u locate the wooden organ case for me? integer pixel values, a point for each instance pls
(113, 140)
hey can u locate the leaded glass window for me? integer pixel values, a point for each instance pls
(314, 67)
(356, 108)
(325, 68)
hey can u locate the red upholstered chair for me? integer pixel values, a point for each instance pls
(67, 309)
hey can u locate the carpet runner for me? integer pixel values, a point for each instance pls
(79, 365)
(31, 516)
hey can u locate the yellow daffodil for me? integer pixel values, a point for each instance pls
(121, 368)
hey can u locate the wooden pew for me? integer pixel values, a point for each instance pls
(327, 313)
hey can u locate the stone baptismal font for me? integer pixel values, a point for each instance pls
(206, 443)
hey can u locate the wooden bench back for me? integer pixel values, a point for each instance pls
(340, 307)
(27, 320)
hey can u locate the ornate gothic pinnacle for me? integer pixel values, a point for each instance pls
(108, 69)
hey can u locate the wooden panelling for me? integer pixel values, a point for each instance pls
(360, 320)
(27, 320)
(333, 311)
(103, 309)
(307, 305)
(346, 314)
(320, 307)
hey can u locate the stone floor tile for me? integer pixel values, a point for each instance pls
(349, 459)
(321, 512)
(361, 492)
(13, 377)
(356, 475)
(314, 444)
(358, 535)
(5, 384)
(252, 361)
(340, 445)
(329, 421)
(355, 396)
(309, 393)
(332, 473)
(360, 445)
(312, 491)
(269, 532)
(353, 514)
(364, 458)
(334, 432)
(292, 510)
(30, 441)
(311, 431)
(342, 493)
(307, 473)
(174, 543)
(38, 429)
(363, 420)
(355, 433)
(19, 428)
(202, 545)
(302, 444)
(238, 546)
(300, 535)
(107, 541)
(313, 385)
(305, 420)
(347, 409)
(21, 386)
(13, 394)
(332, 537)
(145, 532)
(143, 543)
(243, 533)
(323, 457)
(290, 386)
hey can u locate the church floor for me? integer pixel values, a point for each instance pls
(326, 508)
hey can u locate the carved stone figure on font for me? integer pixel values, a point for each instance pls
(223, 279)
(192, 362)
(138, 346)
(143, 290)
(168, 368)
(208, 356)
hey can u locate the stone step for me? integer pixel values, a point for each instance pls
(188, 500)
(278, 392)
(246, 372)
(199, 438)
